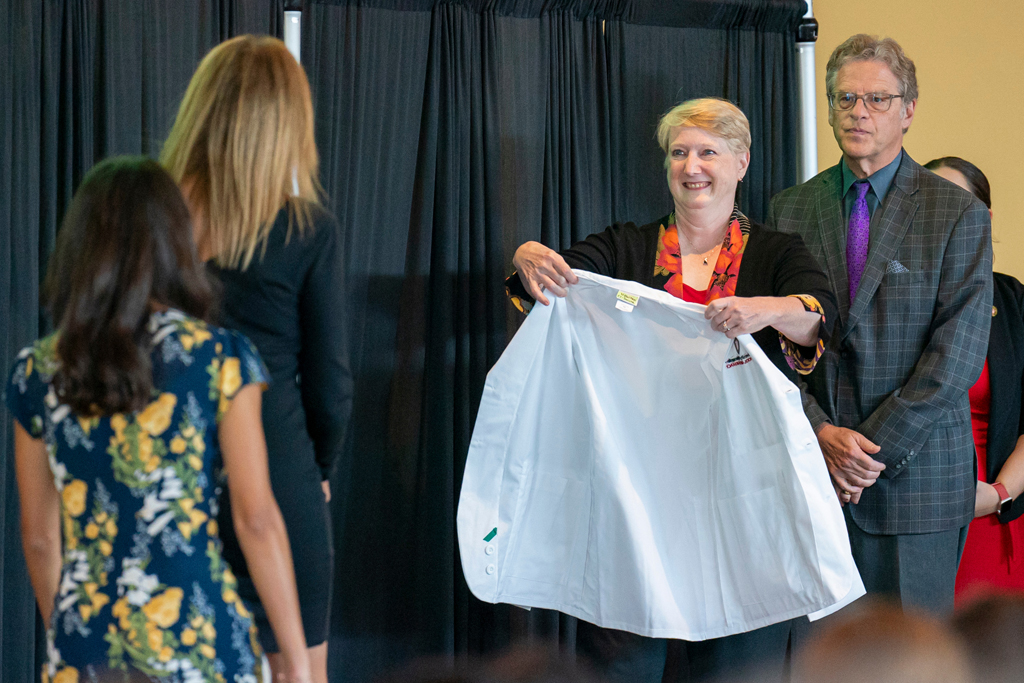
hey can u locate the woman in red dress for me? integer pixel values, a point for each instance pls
(993, 558)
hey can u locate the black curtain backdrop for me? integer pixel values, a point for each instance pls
(81, 80)
(450, 133)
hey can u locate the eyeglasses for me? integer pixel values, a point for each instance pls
(874, 101)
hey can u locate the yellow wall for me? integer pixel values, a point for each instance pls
(970, 73)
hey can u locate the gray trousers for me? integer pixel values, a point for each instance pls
(916, 570)
(620, 657)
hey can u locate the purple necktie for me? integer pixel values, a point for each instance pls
(857, 237)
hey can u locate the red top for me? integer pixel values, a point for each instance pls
(694, 296)
(981, 401)
(993, 552)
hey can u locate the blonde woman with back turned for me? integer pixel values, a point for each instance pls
(243, 151)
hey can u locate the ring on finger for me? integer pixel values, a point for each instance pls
(725, 326)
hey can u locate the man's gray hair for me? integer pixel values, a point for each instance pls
(863, 47)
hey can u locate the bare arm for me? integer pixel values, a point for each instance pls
(260, 527)
(1011, 476)
(40, 518)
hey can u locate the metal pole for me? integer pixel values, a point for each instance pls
(293, 33)
(807, 34)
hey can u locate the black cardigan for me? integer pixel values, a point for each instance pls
(1006, 375)
(774, 264)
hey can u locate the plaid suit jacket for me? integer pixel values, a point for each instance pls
(910, 345)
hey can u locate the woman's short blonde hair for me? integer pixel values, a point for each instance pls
(719, 117)
(243, 145)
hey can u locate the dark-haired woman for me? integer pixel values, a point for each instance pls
(125, 418)
(994, 553)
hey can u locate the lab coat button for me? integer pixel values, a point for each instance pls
(489, 550)
(490, 569)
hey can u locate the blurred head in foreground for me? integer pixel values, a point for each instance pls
(992, 630)
(517, 665)
(878, 643)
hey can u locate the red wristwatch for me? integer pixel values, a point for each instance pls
(1005, 501)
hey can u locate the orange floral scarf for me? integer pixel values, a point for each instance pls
(727, 267)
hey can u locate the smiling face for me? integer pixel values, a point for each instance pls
(703, 171)
(870, 140)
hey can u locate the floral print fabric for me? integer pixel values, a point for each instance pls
(143, 586)
(668, 261)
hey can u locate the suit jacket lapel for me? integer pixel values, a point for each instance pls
(898, 210)
(833, 238)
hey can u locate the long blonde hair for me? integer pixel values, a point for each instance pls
(242, 144)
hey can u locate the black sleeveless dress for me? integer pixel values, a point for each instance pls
(290, 303)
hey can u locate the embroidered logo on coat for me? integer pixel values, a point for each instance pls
(737, 360)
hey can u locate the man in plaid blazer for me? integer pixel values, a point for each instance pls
(910, 258)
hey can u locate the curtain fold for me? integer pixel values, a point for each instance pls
(454, 244)
(662, 66)
(450, 133)
(84, 79)
(19, 295)
(369, 75)
(577, 151)
(761, 15)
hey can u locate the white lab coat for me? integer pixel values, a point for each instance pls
(636, 469)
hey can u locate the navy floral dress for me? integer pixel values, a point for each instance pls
(143, 587)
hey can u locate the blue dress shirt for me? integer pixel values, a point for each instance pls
(880, 181)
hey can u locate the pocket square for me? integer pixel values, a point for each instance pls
(896, 267)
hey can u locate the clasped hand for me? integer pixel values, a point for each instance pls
(848, 457)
